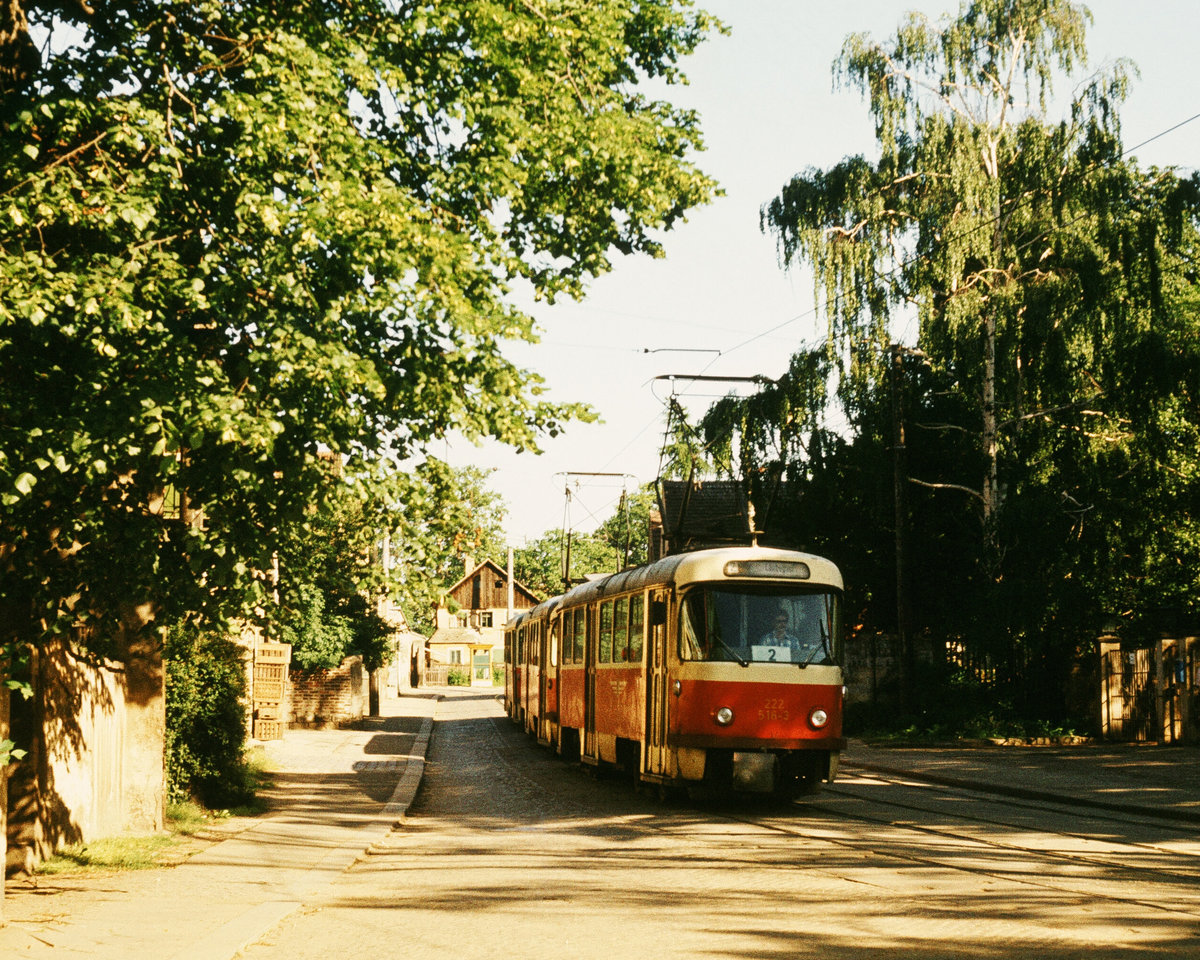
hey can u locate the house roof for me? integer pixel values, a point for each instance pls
(500, 572)
(457, 635)
(711, 511)
(714, 513)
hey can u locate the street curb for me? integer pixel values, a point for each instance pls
(235, 935)
(406, 790)
(1023, 793)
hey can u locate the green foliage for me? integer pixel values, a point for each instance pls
(458, 677)
(235, 238)
(206, 720)
(443, 515)
(1048, 407)
(620, 541)
(320, 640)
(626, 532)
(969, 710)
(9, 753)
(186, 817)
(539, 565)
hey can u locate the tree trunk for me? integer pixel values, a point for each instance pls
(4, 735)
(990, 444)
(899, 482)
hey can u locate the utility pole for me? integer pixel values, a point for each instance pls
(565, 558)
(899, 482)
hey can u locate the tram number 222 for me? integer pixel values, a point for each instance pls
(773, 710)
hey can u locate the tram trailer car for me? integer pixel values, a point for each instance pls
(530, 692)
(719, 667)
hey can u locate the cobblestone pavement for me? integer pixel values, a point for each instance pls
(508, 852)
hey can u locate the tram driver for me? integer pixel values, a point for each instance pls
(781, 635)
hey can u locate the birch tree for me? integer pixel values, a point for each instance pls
(980, 214)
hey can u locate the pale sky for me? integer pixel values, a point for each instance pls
(768, 111)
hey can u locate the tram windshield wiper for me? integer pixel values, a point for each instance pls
(733, 653)
(824, 647)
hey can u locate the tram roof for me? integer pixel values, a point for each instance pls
(700, 566)
(543, 609)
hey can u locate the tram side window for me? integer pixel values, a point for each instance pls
(580, 633)
(621, 631)
(606, 632)
(637, 627)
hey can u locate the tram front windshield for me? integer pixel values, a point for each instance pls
(758, 624)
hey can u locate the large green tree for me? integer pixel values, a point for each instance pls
(983, 213)
(1047, 278)
(236, 236)
(622, 540)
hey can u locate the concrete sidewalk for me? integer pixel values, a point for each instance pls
(335, 794)
(1143, 779)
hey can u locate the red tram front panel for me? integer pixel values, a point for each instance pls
(775, 715)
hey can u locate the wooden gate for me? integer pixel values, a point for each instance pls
(267, 689)
(1151, 693)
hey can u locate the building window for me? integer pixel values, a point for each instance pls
(456, 657)
(485, 618)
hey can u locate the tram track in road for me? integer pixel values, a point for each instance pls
(545, 848)
(1137, 866)
(916, 818)
(1022, 809)
(1043, 867)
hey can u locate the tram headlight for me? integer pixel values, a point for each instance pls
(818, 718)
(723, 716)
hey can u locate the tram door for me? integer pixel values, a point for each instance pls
(655, 760)
(545, 682)
(589, 749)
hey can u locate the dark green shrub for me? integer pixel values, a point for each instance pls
(206, 720)
(458, 677)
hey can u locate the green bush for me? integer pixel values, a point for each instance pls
(458, 677)
(206, 731)
(319, 638)
(954, 705)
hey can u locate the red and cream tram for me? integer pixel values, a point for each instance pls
(719, 667)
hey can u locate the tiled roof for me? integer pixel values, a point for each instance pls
(711, 513)
(456, 635)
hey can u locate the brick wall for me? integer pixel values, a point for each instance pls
(328, 697)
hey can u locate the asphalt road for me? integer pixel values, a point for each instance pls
(508, 852)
